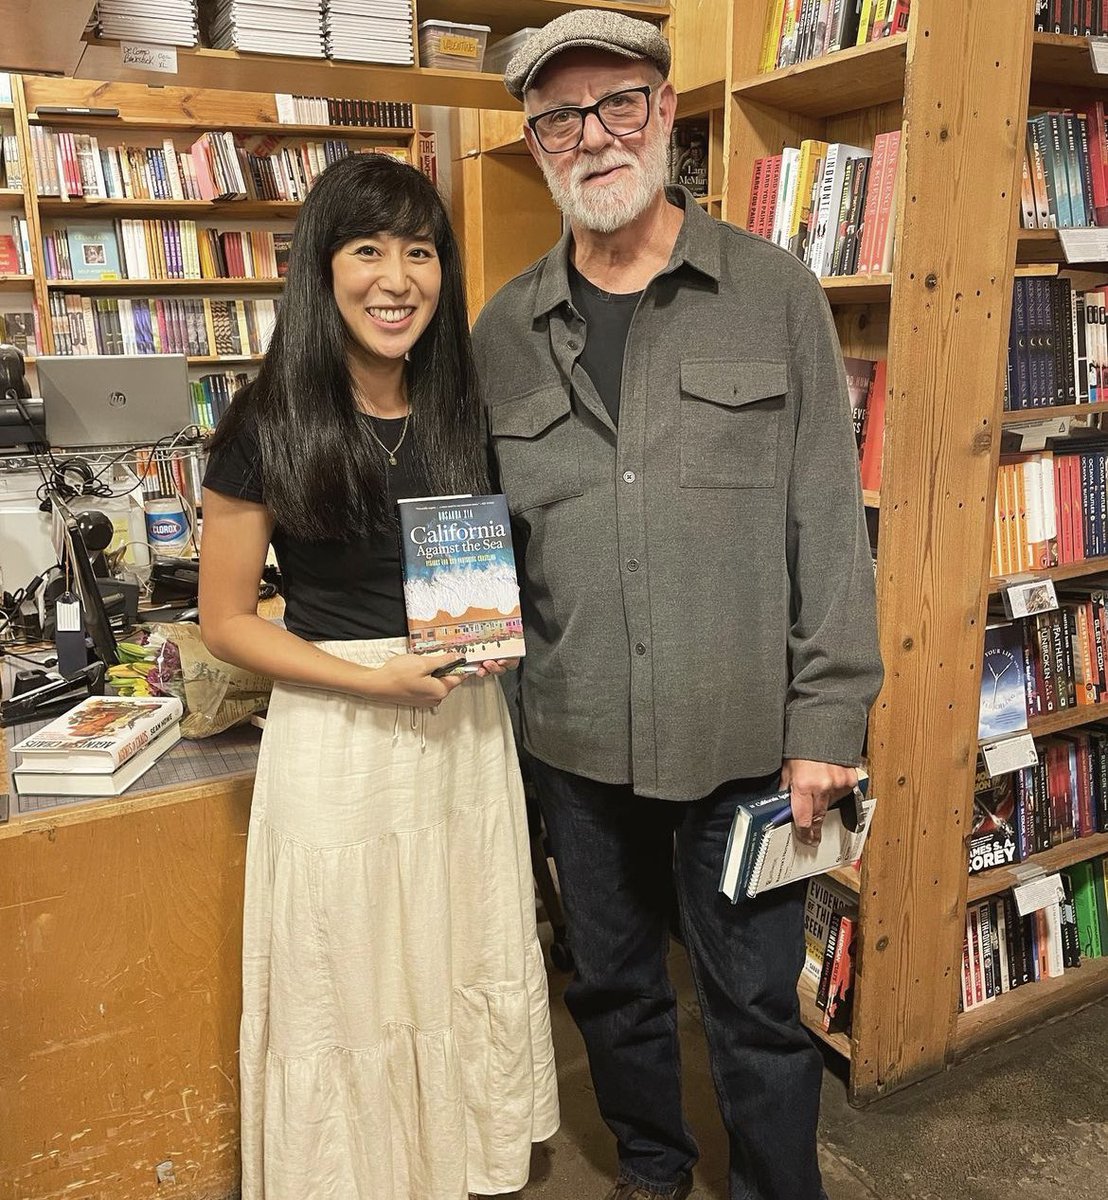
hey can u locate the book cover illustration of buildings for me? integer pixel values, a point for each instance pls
(460, 588)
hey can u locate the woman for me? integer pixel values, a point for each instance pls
(395, 1040)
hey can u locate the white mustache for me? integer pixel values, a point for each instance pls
(606, 160)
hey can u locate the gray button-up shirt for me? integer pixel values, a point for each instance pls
(698, 592)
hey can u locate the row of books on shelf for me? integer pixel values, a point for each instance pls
(203, 328)
(1043, 664)
(212, 394)
(217, 166)
(799, 30)
(325, 110)
(1060, 799)
(1065, 170)
(15, 249)
(11, 169)
(1051, 506)
(830, 926)
(830, 204)
(164, 249)
(1003, 950)
(1057, 344)
(1079, 18)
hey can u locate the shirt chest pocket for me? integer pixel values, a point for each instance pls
(730, 414)
(536, 448)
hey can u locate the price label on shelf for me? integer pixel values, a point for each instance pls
(1098, 52)
(1030, 596)
(1006, 755)
(1038, 893)
(145, 57)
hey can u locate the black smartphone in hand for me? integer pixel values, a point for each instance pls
(447, 668)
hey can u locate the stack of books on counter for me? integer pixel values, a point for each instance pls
(164, 22)
(98, 748)
(369, 31)
(249, 25)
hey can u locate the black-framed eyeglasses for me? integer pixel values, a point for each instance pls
(621, 113)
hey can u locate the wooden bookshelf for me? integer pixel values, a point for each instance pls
(234, 71)
(1000, 879)
(1061, 60)
(1024, 415)
(860, 77)
(16, 283)
(858, 289)
(1075, 570)
(164, 285)
(1033, 1004)
(121, 126)
(707, 201)
(216, 360)
(709, 97)
(11, 198)
(1068, 718)
(848, 877)
(941, 320)
(91, 207)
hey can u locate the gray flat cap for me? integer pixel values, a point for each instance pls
(596, 29)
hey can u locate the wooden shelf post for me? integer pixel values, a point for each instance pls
(964, 108)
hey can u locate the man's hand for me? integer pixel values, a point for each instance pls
(814, 786)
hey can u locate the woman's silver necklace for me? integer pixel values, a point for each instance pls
(391, 454)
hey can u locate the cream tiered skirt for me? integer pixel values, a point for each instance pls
(395, 1040)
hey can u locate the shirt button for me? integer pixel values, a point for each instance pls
(572, 344)
(640, 648)
(628, 476)
(632, 564)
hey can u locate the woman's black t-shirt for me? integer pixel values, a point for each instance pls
(334, 591)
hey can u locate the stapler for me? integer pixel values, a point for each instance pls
(37, 695)
(174, 580)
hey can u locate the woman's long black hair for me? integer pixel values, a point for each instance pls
(324, 478)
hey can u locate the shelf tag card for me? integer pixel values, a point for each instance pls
(1006, 755)
(1038, 893)
(1034, 433)
(146, 57)
(1031, 596)
(1084, 245)
(1098, 53)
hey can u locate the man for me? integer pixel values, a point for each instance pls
(671, 425)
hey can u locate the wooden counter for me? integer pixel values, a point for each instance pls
(120, 995)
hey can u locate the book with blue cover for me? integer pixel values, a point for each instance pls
(1003, 683)
(93, 252)
(461, 593)
(763, 851)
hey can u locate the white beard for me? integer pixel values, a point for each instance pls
(609, 207)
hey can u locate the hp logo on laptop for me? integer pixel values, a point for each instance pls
(117, 399)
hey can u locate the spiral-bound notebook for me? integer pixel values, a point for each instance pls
(763, 851)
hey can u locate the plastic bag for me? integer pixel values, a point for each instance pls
(171, 660)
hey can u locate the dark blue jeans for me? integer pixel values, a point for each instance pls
(621, 860)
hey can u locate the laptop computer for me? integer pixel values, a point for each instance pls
(117, 399)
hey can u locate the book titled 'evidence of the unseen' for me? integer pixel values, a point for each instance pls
(764, 852)
(460, 588)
